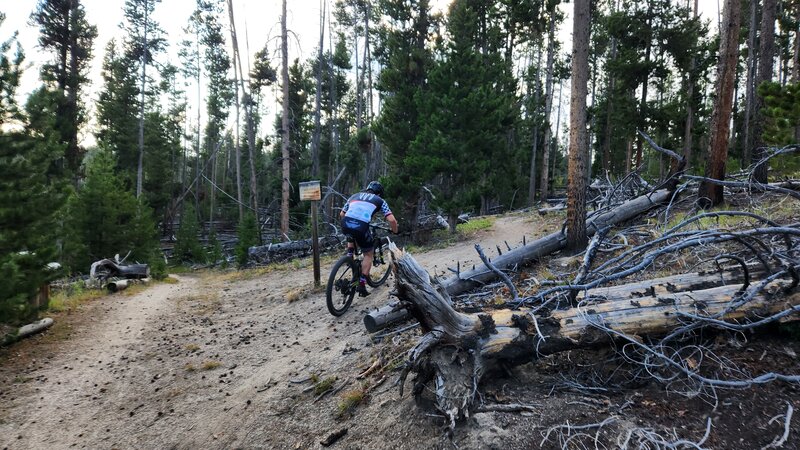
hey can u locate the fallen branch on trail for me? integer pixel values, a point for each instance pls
(458, 349)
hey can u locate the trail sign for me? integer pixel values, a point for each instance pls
(310, 190)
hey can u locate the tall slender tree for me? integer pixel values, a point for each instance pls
(144, 40)
(766, 56)
(285, 156)
(548, 102)
(711, 194)
(406, 58)
(67, 35)
(578, 139)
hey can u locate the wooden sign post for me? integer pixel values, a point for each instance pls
(310, 190)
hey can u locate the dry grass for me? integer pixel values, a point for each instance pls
(210, 365)
(295, 294)
(230, 276)
(72, 297)
(350, 400)
(324, 385)
(192, 347)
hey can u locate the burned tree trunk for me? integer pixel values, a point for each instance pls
(457, 349)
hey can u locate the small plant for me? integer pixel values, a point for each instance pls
(475, 225)
(72, 297)
(190, 367)
(294, 295)
(350, 400)
(210, 365)
(247, 232)
(192, 347)
(325, 385)
(170, 280)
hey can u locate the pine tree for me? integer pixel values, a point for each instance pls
(117, 111)
(217, 64)
(68, 37)
(406, 58)
(29, 197)
(578, 140)
(144, 40)
(105, 219)
(461, 148)
(247, 233)
(710, 194)
(187, 245)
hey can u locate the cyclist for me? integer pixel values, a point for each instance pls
(356, 215)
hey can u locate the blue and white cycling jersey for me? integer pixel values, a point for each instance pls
(363, 205)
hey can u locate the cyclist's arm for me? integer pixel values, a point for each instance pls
(387, 213)
(392, 223)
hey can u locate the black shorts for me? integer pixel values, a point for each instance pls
(360, 232)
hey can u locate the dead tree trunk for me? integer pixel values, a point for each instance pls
(546, 245)
(285, 163)
(457, 349)
(552, 242)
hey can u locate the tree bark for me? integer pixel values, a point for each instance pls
(711, 194)
(578, 142)
(609, 103)
(285, 126)
(548, 105)
(237, 147)
(749, 84)
(645, 84)
(534, 149)
(687, 134)
(766, 53)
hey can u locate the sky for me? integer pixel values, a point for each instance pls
(257, 23)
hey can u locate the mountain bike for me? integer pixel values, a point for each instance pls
(343, 280)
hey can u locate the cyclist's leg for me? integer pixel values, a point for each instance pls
(368, 250)
(367, 264)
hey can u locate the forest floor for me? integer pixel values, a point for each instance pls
(231, 360)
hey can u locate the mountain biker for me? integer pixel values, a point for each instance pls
(356, 215)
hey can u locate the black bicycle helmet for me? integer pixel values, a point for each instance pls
(376, 187)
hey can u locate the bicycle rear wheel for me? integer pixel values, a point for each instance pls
(381, 269)
(342, 284)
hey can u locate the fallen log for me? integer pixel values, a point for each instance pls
(552, 242)
(117, 285)
(266, 253)
(27, 330)
(533, 250)
(457, 349)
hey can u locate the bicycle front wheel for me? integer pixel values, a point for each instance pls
(342, 284)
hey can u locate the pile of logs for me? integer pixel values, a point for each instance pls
(653, 318)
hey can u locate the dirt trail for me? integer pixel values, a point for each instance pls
(221, 361)
(209, 362)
